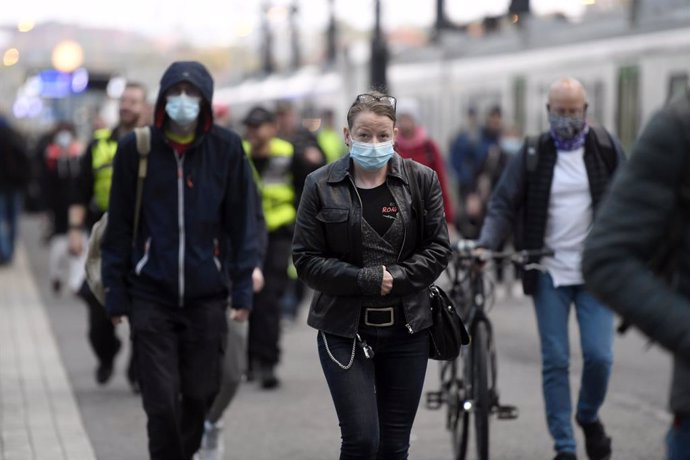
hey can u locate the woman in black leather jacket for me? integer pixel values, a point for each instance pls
(368, 251)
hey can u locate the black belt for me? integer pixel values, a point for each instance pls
(379, 316)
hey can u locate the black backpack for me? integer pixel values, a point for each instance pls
(608, 152)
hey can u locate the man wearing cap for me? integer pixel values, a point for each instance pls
(195, 247)
(273, 162)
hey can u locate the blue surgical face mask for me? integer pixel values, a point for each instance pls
(64, 139)
(182, 108)
(371, 156)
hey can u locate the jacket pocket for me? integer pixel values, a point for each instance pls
(335, 227)
(145, 258)
(333, 215)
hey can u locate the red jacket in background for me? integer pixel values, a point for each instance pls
(424, 150)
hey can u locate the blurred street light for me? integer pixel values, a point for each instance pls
(11, 57)
(67, 56)
(26, 25)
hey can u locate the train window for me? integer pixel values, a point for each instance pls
(628, 106)
(677, 84)
(519, 107)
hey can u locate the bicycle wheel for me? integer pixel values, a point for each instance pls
(459, 418)
(480, 388)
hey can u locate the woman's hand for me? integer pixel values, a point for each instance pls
(387, 283)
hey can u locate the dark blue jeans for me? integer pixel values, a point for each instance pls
(376, 399)
(10, 208)
(678, 439)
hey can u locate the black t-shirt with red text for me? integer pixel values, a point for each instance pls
(379, 207)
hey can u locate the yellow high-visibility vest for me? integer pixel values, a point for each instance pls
(331, 143)
(102, 155)
(275, 184)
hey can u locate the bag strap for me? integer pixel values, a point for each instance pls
(143, 135)
(607, 149)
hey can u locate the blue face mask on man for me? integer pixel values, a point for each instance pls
(182, 108)
(371, 156)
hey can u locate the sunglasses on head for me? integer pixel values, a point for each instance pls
(366, 98)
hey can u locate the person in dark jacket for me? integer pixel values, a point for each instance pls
(477, 160)
(551, 190)
(196, 242)
(14, 177)
(646, 214)
(61, 163)
(90, 196)
(357, 243)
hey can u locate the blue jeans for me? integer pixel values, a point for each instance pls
(10, 207)
(678, 439)
(552, 305)
(376, 399)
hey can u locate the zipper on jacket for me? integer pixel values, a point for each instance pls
(180, 223)
(361, 211)
(216, 254)
(140, 265)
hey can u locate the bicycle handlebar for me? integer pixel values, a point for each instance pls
(468, 250)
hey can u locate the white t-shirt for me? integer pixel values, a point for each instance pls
(569, 218)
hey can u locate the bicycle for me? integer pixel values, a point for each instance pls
(468, 383)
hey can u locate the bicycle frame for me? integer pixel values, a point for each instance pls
(469, 383)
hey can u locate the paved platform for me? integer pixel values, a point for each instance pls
(39, 417)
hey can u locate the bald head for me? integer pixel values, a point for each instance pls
(567, 97)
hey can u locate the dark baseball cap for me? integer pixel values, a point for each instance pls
(258, 116)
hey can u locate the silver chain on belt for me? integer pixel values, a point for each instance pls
(330, 355)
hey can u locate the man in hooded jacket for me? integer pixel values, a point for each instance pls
(195, 246)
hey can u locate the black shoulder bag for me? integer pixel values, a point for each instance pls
(447, 334)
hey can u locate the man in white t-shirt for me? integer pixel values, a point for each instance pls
(550, 192)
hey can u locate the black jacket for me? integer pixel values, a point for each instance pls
(198, 216)
(633, 225)
(327, 246)
(15, 166)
